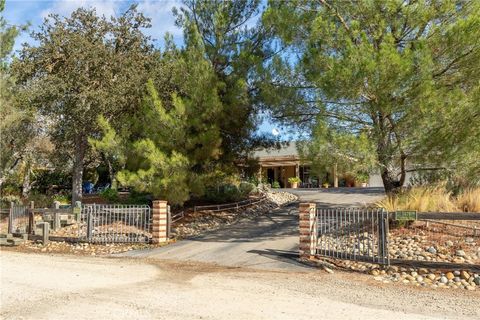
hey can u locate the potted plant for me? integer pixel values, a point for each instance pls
(362, 179)
(275, 185)
(326, 185)
(294, 181)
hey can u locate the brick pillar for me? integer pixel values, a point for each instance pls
(159, 218)
(308, 230)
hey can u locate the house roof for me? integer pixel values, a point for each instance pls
(286, 151)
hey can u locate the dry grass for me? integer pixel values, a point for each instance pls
(433, 199)
(390, 203)
(469, 200)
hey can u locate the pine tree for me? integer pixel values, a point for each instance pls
(236, 44)
(173, 141)
(395, 69)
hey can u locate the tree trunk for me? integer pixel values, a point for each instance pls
(335, 175)
(26, 186)
(386, 153)
(77, 178)
(391, 184)
(392, 181)
(111, 174)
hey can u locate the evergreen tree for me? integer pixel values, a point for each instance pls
(16, 125)
(236, 44)
(389, 68)
(174, 140)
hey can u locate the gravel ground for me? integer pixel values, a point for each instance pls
(41, 286)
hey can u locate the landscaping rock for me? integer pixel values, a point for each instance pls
(328, 270)
(432, 250)
(476, 280)
(460, 253)
(464, 275)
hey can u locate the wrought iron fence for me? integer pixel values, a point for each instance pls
(353, 233)
(409, 238)
(115, 223)
(18, 219)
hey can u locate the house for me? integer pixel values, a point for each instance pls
(280, 164)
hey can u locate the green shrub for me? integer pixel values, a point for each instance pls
(294, 180)
(47, 180)
(40, 200)
(62, 198)
(223, 193)
(110, 195)
(275, 185)
(362, 177)
(7, 199)
(246, 188)
(10, 190)
(137, 198)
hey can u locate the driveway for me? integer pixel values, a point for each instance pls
(265, 242)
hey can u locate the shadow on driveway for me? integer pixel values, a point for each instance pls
(283, 256)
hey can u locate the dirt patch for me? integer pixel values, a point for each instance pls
(66, 287)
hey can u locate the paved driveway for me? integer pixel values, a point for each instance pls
(265, 242)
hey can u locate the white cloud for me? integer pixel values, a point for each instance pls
(66, 7)
(160, 11)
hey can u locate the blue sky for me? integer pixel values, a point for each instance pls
(20, 12)
(34, 11)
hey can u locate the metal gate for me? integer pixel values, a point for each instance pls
(353, 233)
(115, 223)
(19, 219)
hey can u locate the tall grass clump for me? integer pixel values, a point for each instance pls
(469, 200)
(422, 199)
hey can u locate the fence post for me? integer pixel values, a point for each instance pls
(10, 218)
(77, 211)
(383, 237)
(308, 230)
(159, 221)
(45, 232)
(56, 216)
(169, 221)
(31, 218)
(90, 224)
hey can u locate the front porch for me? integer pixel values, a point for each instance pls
(277, 171)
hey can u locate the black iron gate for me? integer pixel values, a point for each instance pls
(115, 223)
(359, 234)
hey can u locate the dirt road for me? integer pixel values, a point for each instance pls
(67, 287)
